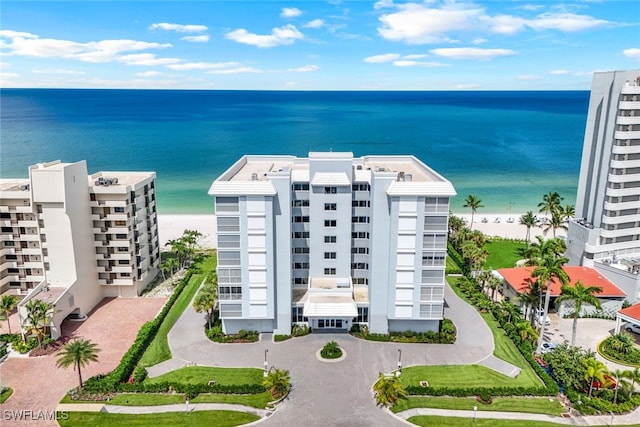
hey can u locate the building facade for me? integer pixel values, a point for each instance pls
(329, 241)
(71, 239)
(606, 231)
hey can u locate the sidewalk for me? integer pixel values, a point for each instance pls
(186, 407)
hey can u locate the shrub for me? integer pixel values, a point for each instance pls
(281, 337)
(299, 330)
(139, 374)
(331, 350)
(619, 348)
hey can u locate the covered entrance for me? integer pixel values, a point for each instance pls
(331, 323)
(329, 304)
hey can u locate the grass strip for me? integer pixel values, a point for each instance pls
(435, 421)
(174, 419)
(502, 254)
(6, 394)
(532, 405)
(460, 376)
(204, 374)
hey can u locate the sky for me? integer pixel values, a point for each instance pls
(316, 45)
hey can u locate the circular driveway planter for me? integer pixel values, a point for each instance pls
(337, 359)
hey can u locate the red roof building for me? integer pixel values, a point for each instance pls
(632, 312)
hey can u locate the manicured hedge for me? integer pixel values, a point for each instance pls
(464, 392)
(146, 334)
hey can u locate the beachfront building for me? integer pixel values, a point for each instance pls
(72, 239)
(329, 241)
(606, 232)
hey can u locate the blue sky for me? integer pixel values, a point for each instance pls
(317, 45)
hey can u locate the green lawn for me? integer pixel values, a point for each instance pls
(460, 376)
(434, 421)
(451, 265)
(533, 405)
(186, 419)
(204, 374)
(502, 254)
(6, 394)
(158, 351)
(505, 349)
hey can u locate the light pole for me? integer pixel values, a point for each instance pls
(400, 360)
(475, 410)
(266, 372)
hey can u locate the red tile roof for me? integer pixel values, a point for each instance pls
(519, 279)
(633, 311)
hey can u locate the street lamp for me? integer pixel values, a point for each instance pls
(475, 410)
(266, 372)
(399, 360)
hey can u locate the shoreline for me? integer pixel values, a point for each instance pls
(171, 226)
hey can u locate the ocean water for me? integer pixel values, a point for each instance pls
(509, 148)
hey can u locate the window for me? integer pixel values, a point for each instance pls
(329, 271)
(360, 281)
(361, 187)
(300, 281)
(330, 190)
(299, 203)
(359, 235)
(300, 265)
(229, 276)
(359, 266)
(329, 255)
(434, 241)
(435, 223)
(231, 310)
(227, 293)
(330, 223)
(433, 259)
(299, 218)
(433, 277)
(121, 236)
(228, 224)
(436, 204)
(361, 251)
(300, 250)
(300, 234)
(330, 239)
(363, 315)
(123, 261)
(228, 257)
(296, 315)
(360, 203)
(330, 206)
(229, 241)
(360, 219)
(301, 186)
(118, 209)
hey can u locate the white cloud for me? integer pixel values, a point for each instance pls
(146, 59)
(58, 71)
(196, 39)
(284, 35)
(290, 12)
(383, 4)
(203, 65)
(528, 77)
(178, 27)
(633, 53)
(415, 56)
(9, 75)
(419, 24)
(386, 57)
(479, 40)
(408, 63)
(316, 23)
(304, 69)
(566, 22)
(504, 24)
(100, 51)
(559, 72)
(240, 70)
(472, 53)
(149, 74)
(531, 7)
(467, 86)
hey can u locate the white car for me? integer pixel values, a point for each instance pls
(547, 347)
(632, 327)
(547, 319)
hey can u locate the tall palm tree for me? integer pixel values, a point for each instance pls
(474, 255)
(550, 202)
(388, 390)
(531, 298)
(569, 211)
(619, 376)
(548, 267)
(529, 220)
(205, 301)
(594, 370)
(555, 222)
(634, 376)
(277, 382)
(7, 304)
(38, 316)
(579, 294)
(472, 201)
(77, 353)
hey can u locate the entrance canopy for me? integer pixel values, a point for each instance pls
(330, 306)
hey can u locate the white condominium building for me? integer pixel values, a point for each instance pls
(329, 241)
(72, 239)
(606, 232)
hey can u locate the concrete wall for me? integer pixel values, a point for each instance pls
(281, 244)
(233, 326)
(414, 325)
(628, 282)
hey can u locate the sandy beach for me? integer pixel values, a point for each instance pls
(497, 224)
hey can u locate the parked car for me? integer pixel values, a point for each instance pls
(547, 319)
(632, 327)
(547, 347)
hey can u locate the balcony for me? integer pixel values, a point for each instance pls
(621, 164)
(628, 120)
(624, 178)
(620, 232)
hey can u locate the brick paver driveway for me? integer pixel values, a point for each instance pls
(38, 385)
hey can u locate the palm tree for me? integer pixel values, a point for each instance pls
(579, 294)
(77, 353)
(619, 376)
(548, 266)
(38, 315)
(529, 220)
(205, 301)
(634, 376)
(7, 304)
(556, 222)
(526, 331)
(277, 382)
(594, 370)
(550, 202)
(474, 255)
(472, 201)
(388, 390)
(569, 211)
(169, 265)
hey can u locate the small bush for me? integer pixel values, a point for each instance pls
(331, 350)
(299, 330)
(281, 337)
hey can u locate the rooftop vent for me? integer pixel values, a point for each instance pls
(106, 181)
(408, 177)
(24, 187)
(401, 176)
(254, 176)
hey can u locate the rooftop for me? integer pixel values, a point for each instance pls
(114, 179)
(49, 294)
(519, 279)
(17, 184)
(633, 312)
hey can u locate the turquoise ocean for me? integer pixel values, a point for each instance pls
(509, 148)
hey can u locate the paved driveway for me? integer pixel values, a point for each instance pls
(332, 394)
(38, 385)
